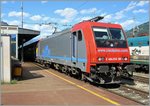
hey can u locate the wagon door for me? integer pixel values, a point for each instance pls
(74, 47)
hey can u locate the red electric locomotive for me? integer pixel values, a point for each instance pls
(90, 50)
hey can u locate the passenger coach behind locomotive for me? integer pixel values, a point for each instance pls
(90, 49)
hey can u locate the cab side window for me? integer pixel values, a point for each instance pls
(79, 36)
(74, 33)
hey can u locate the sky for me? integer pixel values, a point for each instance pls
(45, 15)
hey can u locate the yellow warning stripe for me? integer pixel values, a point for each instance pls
(92, 92)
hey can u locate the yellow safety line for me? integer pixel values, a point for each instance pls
(94, 93)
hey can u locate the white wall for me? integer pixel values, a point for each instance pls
(6, 61)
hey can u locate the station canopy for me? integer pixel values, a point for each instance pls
(18, 36)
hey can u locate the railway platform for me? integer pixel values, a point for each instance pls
(41, 86)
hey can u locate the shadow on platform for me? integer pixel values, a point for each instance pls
(31, 72)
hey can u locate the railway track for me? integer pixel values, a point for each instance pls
(136, 90)
(134, 94)
(141, 79)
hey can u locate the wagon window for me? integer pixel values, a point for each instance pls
(140, 44)
(131, 44)
(79, 36)
(148, 42)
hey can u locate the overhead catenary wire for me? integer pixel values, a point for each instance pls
(50, 23)
(80, 6)
(47, 23)
(54, 24)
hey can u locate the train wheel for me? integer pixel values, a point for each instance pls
(69, 71)
(63, 69)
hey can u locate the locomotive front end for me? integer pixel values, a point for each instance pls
(112, 58)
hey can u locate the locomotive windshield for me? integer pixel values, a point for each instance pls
(101, 33)
(116, 34)
(109, 37)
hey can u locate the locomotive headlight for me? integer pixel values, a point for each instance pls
(125, 58)
(101, 59)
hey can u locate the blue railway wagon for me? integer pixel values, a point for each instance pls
(139, 51)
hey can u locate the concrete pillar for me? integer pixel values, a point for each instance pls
(6, 59)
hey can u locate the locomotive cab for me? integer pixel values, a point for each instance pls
(108, 56)
(111, 45)
(111, 56)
